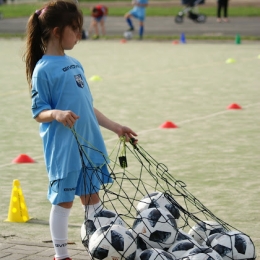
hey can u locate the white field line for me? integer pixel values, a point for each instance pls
(156, 129)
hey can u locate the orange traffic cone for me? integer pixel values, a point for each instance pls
(17, 208)
(234, 106)
(168, 124)
(23, 158)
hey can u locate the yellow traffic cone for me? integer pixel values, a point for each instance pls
(17, 208)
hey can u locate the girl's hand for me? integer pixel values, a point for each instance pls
(127, 132)
(67, 117)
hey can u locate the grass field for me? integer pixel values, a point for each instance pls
(214, 150)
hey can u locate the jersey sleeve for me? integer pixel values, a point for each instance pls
(40, 94)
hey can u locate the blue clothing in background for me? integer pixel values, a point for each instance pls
(139, 12)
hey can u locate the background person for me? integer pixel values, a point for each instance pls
(222, 5)
(98, 14)
(138, 12)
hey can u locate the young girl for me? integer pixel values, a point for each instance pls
(138, 12)
(61, 99)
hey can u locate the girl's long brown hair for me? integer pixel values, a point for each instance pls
(57, 13)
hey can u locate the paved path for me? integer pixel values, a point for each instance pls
(24, 250)
(164, 26)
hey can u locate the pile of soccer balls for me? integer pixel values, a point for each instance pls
(154, 234)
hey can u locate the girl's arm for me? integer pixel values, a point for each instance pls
(113, 126)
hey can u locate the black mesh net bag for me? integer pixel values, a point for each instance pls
(149, 214)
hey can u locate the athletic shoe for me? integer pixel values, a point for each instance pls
(131, 29)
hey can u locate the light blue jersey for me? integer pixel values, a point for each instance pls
(59, 82)
(139, 11)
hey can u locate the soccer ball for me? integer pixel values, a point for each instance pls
(155, 254)
(201, 253)
(128, 35)
(157, 200)
(234, 245)
(182, 235)
(183, 242)
(95, 221)
(154, 228)
(180, 247)
(203, 229)
(210, 239)
(112, 242)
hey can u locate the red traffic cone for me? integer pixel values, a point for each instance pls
(168, 124)
(23, 158)
(234, 106)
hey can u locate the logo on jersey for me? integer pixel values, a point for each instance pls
(79, 80)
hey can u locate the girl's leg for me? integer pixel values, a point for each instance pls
(102, 25)
(141, 30)
(129, 22)
(59, 218)
(91, 203)
(91, 26)
(95, 25)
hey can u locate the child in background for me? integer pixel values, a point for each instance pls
(61, 99)
(138, 12)
(99, 14)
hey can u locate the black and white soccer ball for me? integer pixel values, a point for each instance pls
(157, 200)
(203, 229)
(155, 254)
(154, 228)
(182, 235)
(128, 35)
(179, 248)
(97, 220)
(201, 253)
(234, 245)
(112, 242)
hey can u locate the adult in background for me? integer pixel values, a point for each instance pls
(222, 5)
(138, 12)
(99, 14)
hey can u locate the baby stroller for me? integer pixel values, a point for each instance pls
(191, 10)
(1, 3)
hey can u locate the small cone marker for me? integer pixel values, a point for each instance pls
(123, 41)
(230, 60)
(95, 78)
(182, 38)
(168, 124)
(23, 158)
(234, 106)
(175, 42)
(238, 39)
(17, 208)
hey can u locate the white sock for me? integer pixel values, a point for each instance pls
(59, 219)
(92, 209)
